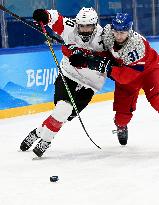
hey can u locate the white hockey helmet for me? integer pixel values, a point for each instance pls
(87, 16)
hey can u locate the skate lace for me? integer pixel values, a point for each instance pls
(43, 145)
(31, 138)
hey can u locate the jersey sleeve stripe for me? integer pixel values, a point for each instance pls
(66, 51)
(58, 26)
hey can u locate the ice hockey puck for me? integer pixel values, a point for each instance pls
(54, 178)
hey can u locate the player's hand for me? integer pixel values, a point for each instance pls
(41, 15)
(105, 65)
(78, 60)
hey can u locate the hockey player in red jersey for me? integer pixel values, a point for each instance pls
(133, 65)
(138, 68)
(83, 34)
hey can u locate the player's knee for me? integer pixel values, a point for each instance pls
(55, 121)
(154, 101)
(62, 111)
(122, 119)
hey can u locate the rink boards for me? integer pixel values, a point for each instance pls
(27, 77)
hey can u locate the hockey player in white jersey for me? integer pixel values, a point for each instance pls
(83, 35)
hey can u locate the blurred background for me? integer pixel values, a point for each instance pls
(14, 33)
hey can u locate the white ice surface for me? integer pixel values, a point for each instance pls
(114, 175)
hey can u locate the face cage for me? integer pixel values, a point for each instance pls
(86, 36)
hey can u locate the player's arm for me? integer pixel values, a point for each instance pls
(51, 18)
(125, 74)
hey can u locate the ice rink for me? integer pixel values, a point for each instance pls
(114, 175)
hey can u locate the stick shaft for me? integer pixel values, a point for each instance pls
(33, 26)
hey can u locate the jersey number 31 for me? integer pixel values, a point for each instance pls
(133, 56)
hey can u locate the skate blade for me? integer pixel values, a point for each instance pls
(35, 157)
(19, 150)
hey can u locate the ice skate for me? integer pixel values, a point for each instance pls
(122, 133)
(41, 147)
(29, 140)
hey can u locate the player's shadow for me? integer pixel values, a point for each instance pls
(115, 153)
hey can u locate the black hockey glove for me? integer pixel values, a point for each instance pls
(41, 15)
(105, 65)
(101, 64)
(78, 59)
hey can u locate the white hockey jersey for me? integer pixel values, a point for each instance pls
(67, 29)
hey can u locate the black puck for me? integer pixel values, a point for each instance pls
(54, 178)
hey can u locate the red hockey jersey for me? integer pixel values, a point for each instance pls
(136, 57)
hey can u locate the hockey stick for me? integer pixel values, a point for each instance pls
(66, 86)
(49, 38)
(33, 26)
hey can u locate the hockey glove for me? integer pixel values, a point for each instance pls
(41, 15)
(78, 59)
(105, 65)
(98, 63)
